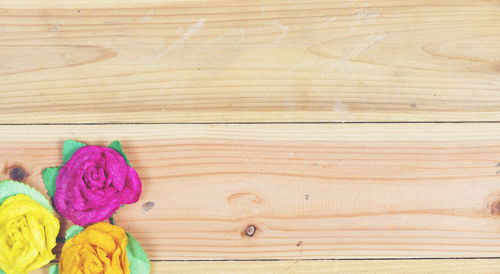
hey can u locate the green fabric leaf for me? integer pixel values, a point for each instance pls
(69, 148)
(118, 147)
(139, 263)
(72, 231)
(10, 188)
(49, 176)
(1, 271)
(54, 269)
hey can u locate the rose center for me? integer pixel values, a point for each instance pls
(95, 177)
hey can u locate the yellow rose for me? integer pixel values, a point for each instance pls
(28, 232)
(100, 248)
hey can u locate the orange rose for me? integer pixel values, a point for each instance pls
(100, 248)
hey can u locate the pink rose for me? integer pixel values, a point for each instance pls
(93, 184)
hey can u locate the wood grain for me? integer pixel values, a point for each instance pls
(370, 266)
(249, 61)
(311, 191)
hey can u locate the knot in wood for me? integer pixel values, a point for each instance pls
(17, 173)
(495, 208)
(250, 230)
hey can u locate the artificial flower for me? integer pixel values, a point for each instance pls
(28, 232)
(93, 183)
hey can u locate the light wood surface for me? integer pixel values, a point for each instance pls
(311, 191)
(249, 61)
(370, 266)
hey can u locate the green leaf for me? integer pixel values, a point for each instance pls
(54, 269)
(69, 148)
(49, 176)
(10, 188)
(1, 271)
(139, 263)
(118, 147)
(72, 231)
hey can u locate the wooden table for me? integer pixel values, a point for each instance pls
(297, 136)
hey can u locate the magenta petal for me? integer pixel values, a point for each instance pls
(116, 168)
(133, 187)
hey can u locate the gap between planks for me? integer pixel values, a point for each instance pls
(246, 123)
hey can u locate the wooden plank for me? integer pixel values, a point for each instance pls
(249, 61)
(370, 266)
(311, 190)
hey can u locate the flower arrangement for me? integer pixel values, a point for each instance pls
(90, 186)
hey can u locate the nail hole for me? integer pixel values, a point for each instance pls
(146, 207)
(17, 173)
(250, 230)
(299, 243)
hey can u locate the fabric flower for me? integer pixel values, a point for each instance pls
(93, 183)
(100, 248)
(28, 232)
